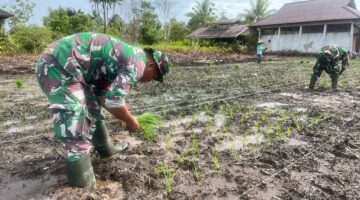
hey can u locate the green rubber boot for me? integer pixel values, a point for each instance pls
(313, 81)
(334, 81)
(102, 141)
(80, 172)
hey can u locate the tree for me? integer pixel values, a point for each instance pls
(33, 38)
(258, 10)
(165, 7)
(105, 6)
(178, 30)
(65, 22)
(22, 10)
(223, 15)
(202, 14)
(150, 28)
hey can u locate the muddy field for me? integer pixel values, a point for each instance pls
(231, 131)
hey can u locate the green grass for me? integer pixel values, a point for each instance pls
(19, 83)
(148, 122)
(168, 176)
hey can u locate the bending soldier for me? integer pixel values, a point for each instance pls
(81, 73)
(328, 60)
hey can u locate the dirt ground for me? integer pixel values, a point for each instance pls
(234, 131)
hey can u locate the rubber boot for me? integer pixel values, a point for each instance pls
(334, 81)
(102, 141)
(80, 172)
(313, 81)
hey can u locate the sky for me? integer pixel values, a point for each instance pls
(232, 7)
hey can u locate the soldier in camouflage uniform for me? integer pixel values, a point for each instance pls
(328, 60)
(82, 73)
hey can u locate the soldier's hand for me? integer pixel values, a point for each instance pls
(132, 125)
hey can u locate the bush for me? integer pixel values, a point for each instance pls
(32, 39)
(7, 46)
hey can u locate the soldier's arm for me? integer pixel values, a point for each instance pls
(120, 111)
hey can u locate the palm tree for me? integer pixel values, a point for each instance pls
(258, 10)
(201, 14)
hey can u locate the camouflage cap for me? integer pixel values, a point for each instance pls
(163, 64)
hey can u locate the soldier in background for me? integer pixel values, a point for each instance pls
(82, 73)
(328, 60)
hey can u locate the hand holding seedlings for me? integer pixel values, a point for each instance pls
(148, 122)
(132, 125)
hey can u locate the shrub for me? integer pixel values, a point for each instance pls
(32, 39)
(7, 46)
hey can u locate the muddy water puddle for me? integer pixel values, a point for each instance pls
(16, 188)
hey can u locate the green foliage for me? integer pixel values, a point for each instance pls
(215, 159)
(102, 8)
(150, 29)
(32, 39)
(115, 25)
(251, 40)
(201, 15)
(67, 21)
(8, 46)
(258, 10)
(168, 176)
(196, 173)
(178, 30)
(19, 83)
(22, 10)
(148, 122)
(186, 46)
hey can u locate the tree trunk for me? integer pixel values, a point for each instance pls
(104, 13)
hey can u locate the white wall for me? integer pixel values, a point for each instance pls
(341, 39)
(273, 45)
(311, 43)
(289, 42)
(306, 43)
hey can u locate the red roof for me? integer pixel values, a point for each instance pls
(220, 32)
(312, 11)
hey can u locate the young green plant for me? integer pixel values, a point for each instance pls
(148, 122)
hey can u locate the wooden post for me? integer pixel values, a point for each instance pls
(351, 36)
(300, 35)
(324, 35)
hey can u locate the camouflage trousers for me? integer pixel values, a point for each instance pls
(323, 65)
(73, 104)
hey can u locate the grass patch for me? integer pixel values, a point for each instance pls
(19, 83)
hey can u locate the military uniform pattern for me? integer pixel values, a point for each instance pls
(328, 60)
(74, 71)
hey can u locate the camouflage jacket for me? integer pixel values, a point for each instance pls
(105, 62)
(331, 55)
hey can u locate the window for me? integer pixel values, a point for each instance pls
(269, 31)
(337, 28)
(313, 29)
(290, 30)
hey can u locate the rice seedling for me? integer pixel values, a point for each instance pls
(235, 154)
(215, 159)
(196, 173)
(195, 145)
(288, 131)
(169, 142)
(148, 122)
(168, 176)
(19, 83)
